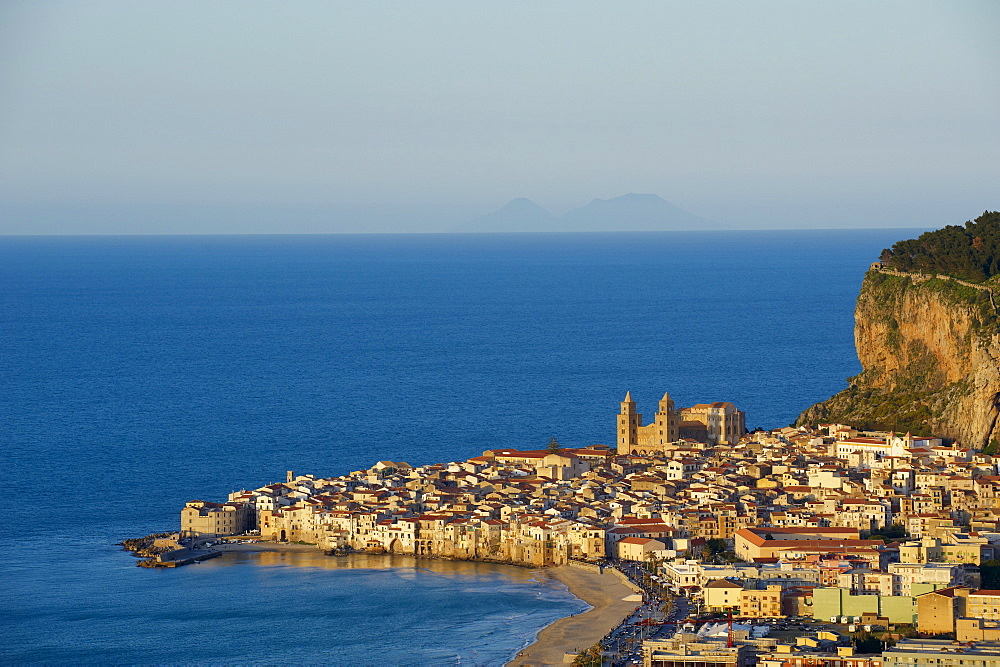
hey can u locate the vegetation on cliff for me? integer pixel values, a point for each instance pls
(872, 410)
(971, 252)
(929, 345)
(889, 291)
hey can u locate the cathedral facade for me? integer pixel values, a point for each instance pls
(711, 423)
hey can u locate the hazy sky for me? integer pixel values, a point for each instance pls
(163, 117)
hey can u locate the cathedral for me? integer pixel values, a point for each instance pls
(719, 423)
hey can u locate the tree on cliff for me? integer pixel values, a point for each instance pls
(971, 252)
(928, 349)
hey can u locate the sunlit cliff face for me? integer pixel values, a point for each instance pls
(930, 351)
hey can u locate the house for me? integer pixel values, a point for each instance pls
(761, 604)
(638, 548)
(722, 594)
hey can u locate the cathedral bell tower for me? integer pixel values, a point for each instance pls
(667, 422)
(628, 426)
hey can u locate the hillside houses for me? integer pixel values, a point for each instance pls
(801, 508)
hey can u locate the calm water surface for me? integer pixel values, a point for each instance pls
(139, 373)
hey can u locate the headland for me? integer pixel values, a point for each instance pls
(926, 333)
(772, 523)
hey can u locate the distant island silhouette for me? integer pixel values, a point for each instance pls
(630, 212)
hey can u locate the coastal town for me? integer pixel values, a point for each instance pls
(799, 546)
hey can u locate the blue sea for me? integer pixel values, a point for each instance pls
(137, 373)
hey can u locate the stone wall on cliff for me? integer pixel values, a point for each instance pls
(930, 352)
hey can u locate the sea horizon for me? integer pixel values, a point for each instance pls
(474, 233)
(143, 374)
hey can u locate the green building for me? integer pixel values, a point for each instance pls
(830, 602)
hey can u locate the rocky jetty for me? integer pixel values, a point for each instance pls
(151, 545)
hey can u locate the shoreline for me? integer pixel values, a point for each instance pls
(555, 643)
(604, 592)
(258, 547)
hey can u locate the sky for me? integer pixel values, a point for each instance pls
(138, 117)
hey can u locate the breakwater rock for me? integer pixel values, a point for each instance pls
(151, 545)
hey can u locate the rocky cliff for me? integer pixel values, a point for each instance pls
(930, 352)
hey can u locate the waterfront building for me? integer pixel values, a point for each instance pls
(682, 573)
(638, 548)
(201, 518)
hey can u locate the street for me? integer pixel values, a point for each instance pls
(623, 645)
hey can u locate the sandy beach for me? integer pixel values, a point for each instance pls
(604, 592)
(573, 634)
